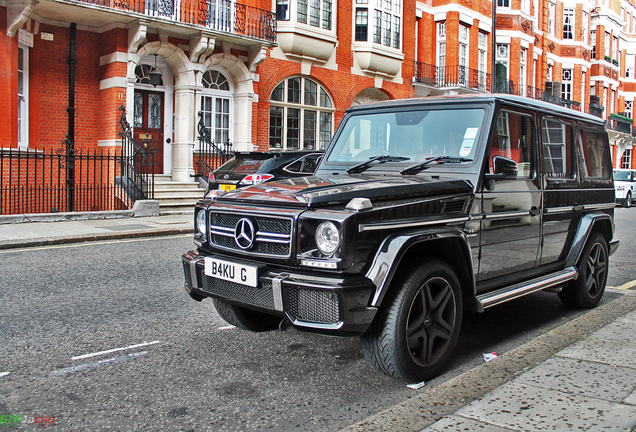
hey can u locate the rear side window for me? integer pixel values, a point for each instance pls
(557, 149)
(593, 153)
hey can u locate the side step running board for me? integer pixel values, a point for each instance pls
(515, 291)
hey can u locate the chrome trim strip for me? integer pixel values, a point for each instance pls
(277, 291)
(193, 272)
(380, 226)
(322, 326)
(599, 206)
(556, 210)
(490, 216)
(265, 239)
(515, 291)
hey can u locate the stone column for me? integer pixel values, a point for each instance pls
(243, 122)
(184, 121)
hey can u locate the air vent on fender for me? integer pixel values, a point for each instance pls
(454, 206)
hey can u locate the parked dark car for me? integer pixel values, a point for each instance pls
(420, 209)
(251, 168)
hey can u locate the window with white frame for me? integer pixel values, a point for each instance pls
(503, 3)
(300, 115)
(566, 84)
(551, 14)
(23, 97)
(629, 109)
(441, 44)
(282, 10)
(463, 45)
(548, 75)
(523, 56)
(316, 13)
(525, 6)
(482, 58)
(217, 106)
(568, 23)
(629, 65)
(583, 79)
(593, 43)
(626, 160)
(380, 23)
(616, 53)
(584, 21)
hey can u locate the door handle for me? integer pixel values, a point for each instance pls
(535, 211)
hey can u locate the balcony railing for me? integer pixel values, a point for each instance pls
(621, 124)
(222, 15)
(452, 76)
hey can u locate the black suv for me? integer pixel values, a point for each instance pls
(419, 210)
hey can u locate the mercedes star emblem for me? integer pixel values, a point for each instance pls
(244, 233)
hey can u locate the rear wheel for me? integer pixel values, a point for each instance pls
(245, 318)
(586, 291)
(628, 200)
(417, 327)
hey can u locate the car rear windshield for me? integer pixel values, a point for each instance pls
(246, 164)
(416, 135)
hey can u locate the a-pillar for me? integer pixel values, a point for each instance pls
(183, 146)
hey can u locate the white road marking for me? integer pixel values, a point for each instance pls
(98, 363)
(227, 327)
(2, 374)
(95, 354)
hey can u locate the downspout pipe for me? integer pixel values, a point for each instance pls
(70, 138)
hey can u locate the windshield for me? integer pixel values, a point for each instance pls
(622, 176)
(416, 135)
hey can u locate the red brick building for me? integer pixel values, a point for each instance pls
(275, 74)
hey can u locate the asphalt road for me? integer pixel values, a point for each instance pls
(187, 370)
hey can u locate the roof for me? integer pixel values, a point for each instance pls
(487, 98)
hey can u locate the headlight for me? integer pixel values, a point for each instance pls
(200, 222)
(327, 238)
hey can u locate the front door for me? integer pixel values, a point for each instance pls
(148, 127)
(511, 225)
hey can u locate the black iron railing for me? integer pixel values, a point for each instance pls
(222, 15)
(35, 181)
(137, 177)
(452, 76)
(210, 155)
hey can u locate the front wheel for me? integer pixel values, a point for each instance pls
(586, 291)
(245, 318)
(417, 327)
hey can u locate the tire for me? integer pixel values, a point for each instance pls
(245, 318)
(586, 291)
(628, 200)
(427, 304)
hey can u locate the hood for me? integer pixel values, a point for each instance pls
(338, 190)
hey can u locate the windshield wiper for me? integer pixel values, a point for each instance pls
(380, 159)
(439, 159)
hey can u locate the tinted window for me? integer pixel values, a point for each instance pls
(243, 166)
(514, 140)
(593, 154)
(557, 148)
(623, 176)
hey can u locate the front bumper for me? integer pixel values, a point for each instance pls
(328, 304)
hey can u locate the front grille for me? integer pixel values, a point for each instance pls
(261, 296)
(272, 236)
(314, 305)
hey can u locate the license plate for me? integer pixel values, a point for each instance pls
(227, 187)
(230, 271)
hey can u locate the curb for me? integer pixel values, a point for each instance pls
(432, 404)
(18, 244)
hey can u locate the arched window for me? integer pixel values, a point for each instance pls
(216, 105)
(146, 74)
(300, 115)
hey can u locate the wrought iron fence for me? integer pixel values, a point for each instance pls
(222, 15)
(210, 155)
(37, 181)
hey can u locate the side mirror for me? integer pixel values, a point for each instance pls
(505, 166)
(503, 169)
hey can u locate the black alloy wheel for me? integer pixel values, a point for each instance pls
(586, 291)
(418, 325)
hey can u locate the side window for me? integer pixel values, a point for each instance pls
(514, 140)
(557, 149)
(593, 155)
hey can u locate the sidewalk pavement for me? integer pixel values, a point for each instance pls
(579, 376)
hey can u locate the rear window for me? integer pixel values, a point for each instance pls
(594, 157)
(244, 166)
